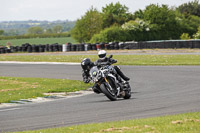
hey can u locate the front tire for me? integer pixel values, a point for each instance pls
(108, 92)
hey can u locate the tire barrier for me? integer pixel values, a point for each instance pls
(161, 44)
(94, 47)
(29, 49)
(108, 46)
(80, 47)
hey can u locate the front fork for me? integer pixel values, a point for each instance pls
(117, 86)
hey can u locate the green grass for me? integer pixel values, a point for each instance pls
(122, 59)
(182, 123)
(19, 42)
(13, 88)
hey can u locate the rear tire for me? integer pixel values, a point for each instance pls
(107, 91)
(128, 92)
(127, 95)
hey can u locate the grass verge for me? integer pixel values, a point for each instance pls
(19, 42)
(182, 123)
(122, 59)
(13, 88)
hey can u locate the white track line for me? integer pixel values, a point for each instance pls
(3, 110)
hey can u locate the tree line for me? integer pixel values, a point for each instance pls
(37, 31)
(156, 22)
(13, 28)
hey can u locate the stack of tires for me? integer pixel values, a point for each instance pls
(109, 46)
(29, 49)
(89, 47)
(112, 46)
(80, 47)
(122, 45)
(102, 45)
(196, 44)
(171, 44)
(69, 45)
(15, 49)
(94, 47)
(73, 47)
(2, 50)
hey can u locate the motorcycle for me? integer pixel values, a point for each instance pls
(110, 83)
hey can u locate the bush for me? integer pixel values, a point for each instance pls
(197, 35)
(139, 30)
(110, 34)
(185, 36)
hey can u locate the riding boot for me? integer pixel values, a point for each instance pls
(121, 74)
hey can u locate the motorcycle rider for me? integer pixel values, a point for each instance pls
(86, 65)
(103, 58)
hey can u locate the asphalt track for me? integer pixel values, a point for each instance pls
(157, 91)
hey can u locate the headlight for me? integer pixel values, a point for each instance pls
(94, 74)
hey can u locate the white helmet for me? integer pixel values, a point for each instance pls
(102, 54)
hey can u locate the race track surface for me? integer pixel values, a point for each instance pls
(157, 90)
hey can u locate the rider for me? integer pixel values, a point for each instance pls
(103, 58)
(86, 65)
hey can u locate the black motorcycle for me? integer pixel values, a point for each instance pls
(110, 83)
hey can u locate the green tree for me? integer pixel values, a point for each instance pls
(164, 21)
(1, 32)
(188, 15)
(115, 14)
(57, 29)
(138, 14)
(139, 30)
(188, 24)
(49, 31)
(197, 35)
(35, 30)
(11, 32)
(190, 8)
(87, 26)
(136, 25)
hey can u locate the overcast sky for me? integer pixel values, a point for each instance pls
(66, 9)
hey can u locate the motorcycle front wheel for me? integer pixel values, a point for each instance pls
(108, 91)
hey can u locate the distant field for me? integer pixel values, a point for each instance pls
(18, 42)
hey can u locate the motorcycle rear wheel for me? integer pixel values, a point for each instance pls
(127, 95)
(128, 92)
